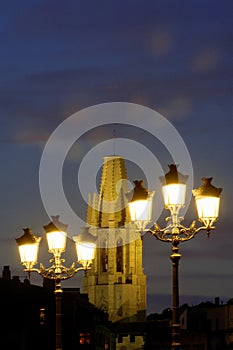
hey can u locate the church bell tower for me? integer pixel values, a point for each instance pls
(116, 282)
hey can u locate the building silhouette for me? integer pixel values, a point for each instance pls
(28, 317)
(206, 326)
(116, 282)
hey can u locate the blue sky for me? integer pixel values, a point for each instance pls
(58, 57)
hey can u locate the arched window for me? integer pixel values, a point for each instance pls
(104, 256)
(119, 255)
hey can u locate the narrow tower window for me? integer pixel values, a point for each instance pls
(119, 255)
(104, 257)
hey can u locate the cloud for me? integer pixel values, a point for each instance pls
(205, 60)
(62, 57)
(178, 107)
(161, 42)
(31, 136)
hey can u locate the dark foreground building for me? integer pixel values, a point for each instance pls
(207, 326)
(28, 318)
(28, 322)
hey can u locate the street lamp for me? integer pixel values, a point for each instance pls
(174, 189)
(28, 245)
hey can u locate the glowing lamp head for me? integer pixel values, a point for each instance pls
(85, 247)
(28, 248)
(56, 236)
(140, 205)
(174, 187)
(207, 201)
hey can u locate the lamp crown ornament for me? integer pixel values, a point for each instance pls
(207, 189)
(173, 176)
(139, 192)
(27, 237)
(55, 225)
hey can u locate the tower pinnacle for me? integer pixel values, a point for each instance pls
(111, 204)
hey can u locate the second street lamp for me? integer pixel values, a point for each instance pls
(56, 237)
(174, 189)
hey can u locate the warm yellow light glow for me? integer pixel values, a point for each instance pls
(208, 207)
(140, 210)
(56, 241)
(85, 247)
(85, 251)
(28, 253)
(174, 194)
(207, 201)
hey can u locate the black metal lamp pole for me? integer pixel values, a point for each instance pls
(56, 236)
(175, 258)
(58, 294)
(174, 189)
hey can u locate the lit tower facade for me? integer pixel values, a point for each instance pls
(116, 283)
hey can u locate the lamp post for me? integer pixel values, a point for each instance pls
(174, 189)
(56, 237)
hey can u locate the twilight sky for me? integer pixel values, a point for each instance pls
(58, 57)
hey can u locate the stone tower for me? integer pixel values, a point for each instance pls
(116, 283)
